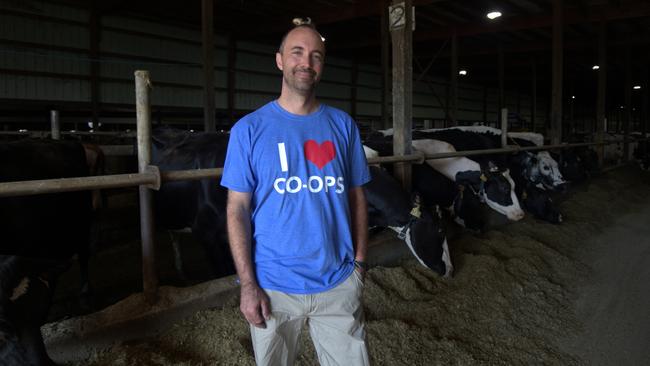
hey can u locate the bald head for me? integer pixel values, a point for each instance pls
(301, 29)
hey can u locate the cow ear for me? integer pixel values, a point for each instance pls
(492, 167)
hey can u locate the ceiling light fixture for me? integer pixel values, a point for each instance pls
(573, 97)
(493, 15)
(462, 72)
(595, 67)
(636, 87)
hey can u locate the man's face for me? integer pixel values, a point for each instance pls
(301, 60)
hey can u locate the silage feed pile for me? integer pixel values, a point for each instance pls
(509, 303)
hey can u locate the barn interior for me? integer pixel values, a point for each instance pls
(564, 69)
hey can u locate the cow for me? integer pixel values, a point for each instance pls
(195, 205)
(41, 234)
(491, 184)
(419, 225)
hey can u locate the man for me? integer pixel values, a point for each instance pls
(297, 217)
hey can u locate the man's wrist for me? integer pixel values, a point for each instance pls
(361, 264)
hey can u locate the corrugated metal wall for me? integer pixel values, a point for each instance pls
(45, 56)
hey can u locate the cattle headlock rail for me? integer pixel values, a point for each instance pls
(153, 177)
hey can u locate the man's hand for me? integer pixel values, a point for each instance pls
(255, 305)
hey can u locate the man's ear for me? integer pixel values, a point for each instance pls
(278, 61)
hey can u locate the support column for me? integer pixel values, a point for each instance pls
(627, 113)
(55, 125)
(232, 61)
(557, 78)
(500, 71)
(354, 75)
(485, 106)
(402, 87)
(533, 111)
(453, 80)
(207, 28)
(95, 39)
(602, 87)
(143, 113)
(385, 66)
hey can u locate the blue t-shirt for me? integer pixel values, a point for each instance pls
(298, 170)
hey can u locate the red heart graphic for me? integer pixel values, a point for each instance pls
(319, 154)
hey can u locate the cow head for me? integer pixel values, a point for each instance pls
(538, 202)
(494, 187)
(541, 170)
(424, 234)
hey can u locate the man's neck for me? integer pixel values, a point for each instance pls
(298, 104)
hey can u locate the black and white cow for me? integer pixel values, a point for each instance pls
(492, 184)
(461, 198)
(418, 224)
(41, 234)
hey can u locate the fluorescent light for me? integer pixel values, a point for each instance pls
(494, 14)
(595, 67)
(573, 97)
(636, 87)
(462, 72)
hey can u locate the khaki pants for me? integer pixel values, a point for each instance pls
(335, 319)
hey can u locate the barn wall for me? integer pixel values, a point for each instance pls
(45, 56)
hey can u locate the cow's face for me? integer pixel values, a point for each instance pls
(496, 188)
(426, 238)
(550, 176)
(539, 203)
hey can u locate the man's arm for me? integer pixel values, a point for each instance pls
(359, 215)
(254, 303)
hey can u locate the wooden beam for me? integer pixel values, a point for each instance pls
(354, 75)
(627, 113)
(385, 66)
(232, 65)
(402, 89)
(501, 71)
(602, 87)
(207, 28)
(453, 81)
(557, 77)
(95, 39)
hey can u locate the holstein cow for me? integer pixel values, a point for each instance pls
(491, 185)
(460, 198)
(420, 226)
(41, 233)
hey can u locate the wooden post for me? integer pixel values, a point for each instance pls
(533, 111)
(602, 87)
(354, 75)
(627, 113)
(385, 66)
(501, 71)
(94, 39)
(207, 27)
(55, 125)
(485, 106)
(453, 80)
(504, 127)
(402, 85)
(232, 62)
(557, 78)
(143, 111)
